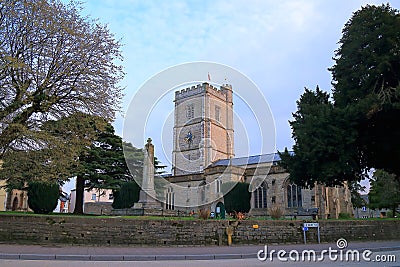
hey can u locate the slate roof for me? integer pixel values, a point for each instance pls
(243, 161)
(256, 159)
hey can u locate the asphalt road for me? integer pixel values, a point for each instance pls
(35, 255)
(209, 263)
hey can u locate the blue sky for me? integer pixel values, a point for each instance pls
(282, 46)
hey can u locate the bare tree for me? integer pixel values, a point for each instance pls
(53, 63)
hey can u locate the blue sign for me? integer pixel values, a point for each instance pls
(305, 228)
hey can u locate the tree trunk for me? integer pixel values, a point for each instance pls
(80, 182)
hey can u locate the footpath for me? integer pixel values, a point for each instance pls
(108, 253)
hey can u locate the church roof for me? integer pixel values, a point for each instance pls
(242, 161)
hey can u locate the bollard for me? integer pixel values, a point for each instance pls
(229, 232)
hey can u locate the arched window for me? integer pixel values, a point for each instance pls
(218, 185)
(170, 199)
(260, 196)
(293, 193)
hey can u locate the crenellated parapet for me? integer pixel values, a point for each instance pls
(189, 91)
(224, 92)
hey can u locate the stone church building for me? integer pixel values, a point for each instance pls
(203, 160)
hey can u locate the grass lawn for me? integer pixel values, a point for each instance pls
(168, 218)
(56, 214)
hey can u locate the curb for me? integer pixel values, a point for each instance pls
(62, 257)
(124, 257)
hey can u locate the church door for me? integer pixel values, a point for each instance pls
(220, 210)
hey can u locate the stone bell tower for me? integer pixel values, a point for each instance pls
(203, 127)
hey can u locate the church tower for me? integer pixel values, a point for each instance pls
(203, 127)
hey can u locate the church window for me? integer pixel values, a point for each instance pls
(273, 199)
(260, 197)
(218, 184)
(217, 113)
(170, 199)
(190, 111)
(293, 193)
(93, 196)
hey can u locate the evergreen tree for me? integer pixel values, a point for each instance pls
(43, 196)
(356, 200)
(384, 192)
(340, 139)
(236, 197)
(103, 165)
(322, 151)
(126, 195)
(366, 79)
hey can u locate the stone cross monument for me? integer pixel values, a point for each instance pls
(147, 193)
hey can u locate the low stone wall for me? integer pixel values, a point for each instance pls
(147, 212)
(117, 231)
(98, 208)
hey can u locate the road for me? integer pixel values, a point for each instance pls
(56, 255)
(200, 263)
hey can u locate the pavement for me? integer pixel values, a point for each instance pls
(116, 253)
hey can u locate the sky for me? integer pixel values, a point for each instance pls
(281, 46)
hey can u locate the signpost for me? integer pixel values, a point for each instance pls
(310, 225)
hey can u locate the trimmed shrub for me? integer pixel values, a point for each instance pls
(126, 196)
(43, 196)
(238, 198)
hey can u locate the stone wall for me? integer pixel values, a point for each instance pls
(98, 208)
(118, 231)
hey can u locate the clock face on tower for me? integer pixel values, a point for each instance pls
(189, 138)
(188, 150)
